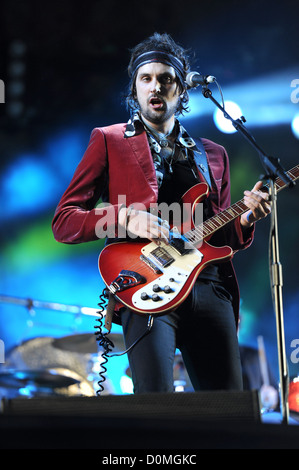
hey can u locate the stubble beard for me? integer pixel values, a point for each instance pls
(158, 116)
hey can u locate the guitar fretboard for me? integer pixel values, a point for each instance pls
(210, 226)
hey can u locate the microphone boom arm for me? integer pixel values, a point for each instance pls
(271, 165)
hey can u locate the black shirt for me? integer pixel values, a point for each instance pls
(178, 178)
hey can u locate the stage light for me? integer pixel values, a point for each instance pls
(34, 182)
(23, 186)
(224, 124)
(126, 385)
(265, 101)
(295, 126)
(16, 86)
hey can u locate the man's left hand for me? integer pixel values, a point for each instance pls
(259, 204)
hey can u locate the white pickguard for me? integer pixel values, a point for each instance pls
(175, 276)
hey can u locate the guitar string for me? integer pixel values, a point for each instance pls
(210, 226)
(201, 233)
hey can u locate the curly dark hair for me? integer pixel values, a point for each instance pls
(165, 43)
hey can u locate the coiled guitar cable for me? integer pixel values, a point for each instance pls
(105, 342)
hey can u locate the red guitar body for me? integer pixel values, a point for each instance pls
(134, 272)
(154, 280)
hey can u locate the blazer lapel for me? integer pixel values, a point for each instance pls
(141, 150)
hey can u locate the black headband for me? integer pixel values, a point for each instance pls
(159, 56)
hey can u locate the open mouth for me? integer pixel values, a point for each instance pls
(156, 103)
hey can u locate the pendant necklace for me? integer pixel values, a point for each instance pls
(167, 150)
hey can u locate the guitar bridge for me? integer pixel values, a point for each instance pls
(149, 263)
(125, 280)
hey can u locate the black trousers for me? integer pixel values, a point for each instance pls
(202, 328)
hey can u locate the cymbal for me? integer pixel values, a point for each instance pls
(38, 378)
(86, 343)
(81, 343)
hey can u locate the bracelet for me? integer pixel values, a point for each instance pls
(248, 215)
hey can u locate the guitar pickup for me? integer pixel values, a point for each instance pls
(151, 264)
(125, 280)
(161, 257)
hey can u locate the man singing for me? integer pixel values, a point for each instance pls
(152, 160)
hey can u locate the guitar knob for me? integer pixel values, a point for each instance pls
(156, 298)
(156, 288)
(144, 296)
(167, 289)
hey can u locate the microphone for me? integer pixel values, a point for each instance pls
(193, 79)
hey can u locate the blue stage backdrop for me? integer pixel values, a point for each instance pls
(64, 74)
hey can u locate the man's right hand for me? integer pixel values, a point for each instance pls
(144, 225)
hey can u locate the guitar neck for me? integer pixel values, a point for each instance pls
(210, 226)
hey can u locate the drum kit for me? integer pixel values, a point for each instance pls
(47, 366)
(43, 366)
(70, 366)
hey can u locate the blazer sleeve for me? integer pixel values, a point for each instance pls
(77, 219)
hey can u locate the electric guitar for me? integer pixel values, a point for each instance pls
(151, 279)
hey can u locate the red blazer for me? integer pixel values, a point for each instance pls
(119, 165)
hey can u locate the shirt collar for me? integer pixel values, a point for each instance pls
(135, 126)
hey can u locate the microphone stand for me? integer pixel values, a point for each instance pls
(272, 170)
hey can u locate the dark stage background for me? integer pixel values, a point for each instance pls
(63, 65)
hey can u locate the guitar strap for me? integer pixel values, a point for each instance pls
(200, 159)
